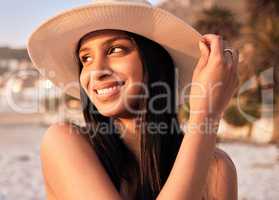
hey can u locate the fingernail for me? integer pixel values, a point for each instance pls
(202, 40)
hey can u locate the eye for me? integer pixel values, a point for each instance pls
(86, 59)
(116, 49)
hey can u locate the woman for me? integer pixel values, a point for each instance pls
(127, 75)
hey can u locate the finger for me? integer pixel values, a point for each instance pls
(228, 56)
(228, 59)
(236, 57)
(216, 45)
(235, 75)
(236, 86)
(235, 61)
(233, 87)
(204, 55)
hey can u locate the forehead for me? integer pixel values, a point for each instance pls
(101, 35)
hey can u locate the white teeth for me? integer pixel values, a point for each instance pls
(107, 90)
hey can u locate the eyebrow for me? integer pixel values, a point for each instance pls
(109, 41)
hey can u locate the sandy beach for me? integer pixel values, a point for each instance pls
(21, 178)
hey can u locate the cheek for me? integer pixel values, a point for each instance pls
(131, 69)
(136, 77)
(84, 79)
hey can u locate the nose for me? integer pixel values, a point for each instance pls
(100, 68)
(99, 74)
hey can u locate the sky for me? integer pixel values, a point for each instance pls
(19, 18)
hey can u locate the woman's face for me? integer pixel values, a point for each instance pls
(112, 73)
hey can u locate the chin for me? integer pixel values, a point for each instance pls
(109, 108)
(115, 110)
(112, 112)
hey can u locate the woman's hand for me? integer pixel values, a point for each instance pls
(214, 78)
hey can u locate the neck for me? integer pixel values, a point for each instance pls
(130, 133)
(130, 129)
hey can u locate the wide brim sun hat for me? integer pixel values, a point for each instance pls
(52, 46)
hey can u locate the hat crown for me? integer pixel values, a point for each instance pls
(145, 2)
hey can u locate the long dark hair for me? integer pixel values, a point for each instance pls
(158, 151)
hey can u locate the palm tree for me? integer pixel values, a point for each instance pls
(263, 21)
(261, 8)
(220, 21)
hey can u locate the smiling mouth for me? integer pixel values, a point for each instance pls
(108, 91)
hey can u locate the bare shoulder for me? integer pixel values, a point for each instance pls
(53, 151)
(223, 161)
(71, 167)
(222, 177)
(62, 133)
(62, 139)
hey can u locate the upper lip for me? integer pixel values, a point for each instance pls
(100, 86)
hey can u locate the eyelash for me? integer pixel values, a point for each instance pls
(83, 58)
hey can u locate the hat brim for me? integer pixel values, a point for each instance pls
(52, 46)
